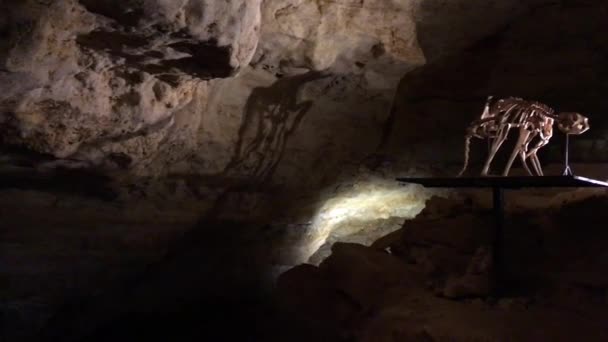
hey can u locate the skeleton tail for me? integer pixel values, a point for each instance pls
(467, 149)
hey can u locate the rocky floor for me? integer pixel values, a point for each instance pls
(56, 250)
(433, 281)
(75, 267)
(384, 303)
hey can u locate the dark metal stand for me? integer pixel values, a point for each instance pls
(567, 169)
(498, 202)
(498, 185)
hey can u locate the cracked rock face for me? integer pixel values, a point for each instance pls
(110, 82)
(292, 113)
(231, 88)
(287, 92)
(247, 97)
(296, 95)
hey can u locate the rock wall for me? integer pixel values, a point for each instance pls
(156, 87)
(243, 102)
(297, 113)
(290, 93)
(295, 94)
(117, 84)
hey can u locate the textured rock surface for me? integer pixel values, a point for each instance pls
(379, 294)
(118, 83)
(294, 94)
(245, 109)
(242, 103)
(286, 92)
(125, 84)
(454, 253)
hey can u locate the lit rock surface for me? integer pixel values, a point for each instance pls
(363, 213)
(233, 98)
(283, 92)
(230, 88)
(118, 83)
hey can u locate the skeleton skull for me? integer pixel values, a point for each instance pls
(572, 123)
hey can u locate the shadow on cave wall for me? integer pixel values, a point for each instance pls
(554, 53)
(272, 114)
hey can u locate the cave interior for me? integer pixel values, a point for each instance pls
(202, 170)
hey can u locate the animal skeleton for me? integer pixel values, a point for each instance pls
(533, 119)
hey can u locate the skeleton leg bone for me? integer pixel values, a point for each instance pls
(519, 146)
(536, 164)
(467, 151)
(522, 156)
(524, 151)
(500, 138)
(534, 157)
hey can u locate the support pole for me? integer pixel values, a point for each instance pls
(567, 169)
(498, 243)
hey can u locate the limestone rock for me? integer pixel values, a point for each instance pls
(334, 300)
(251, 106)
(235, 89)
(383, 299)
(281, 91)
(376, 271)
(372, 38)
(452, 252)
(477, 280)
(318, 91)
(115, 82)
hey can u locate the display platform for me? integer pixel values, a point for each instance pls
(498, 184)
(506, 182)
